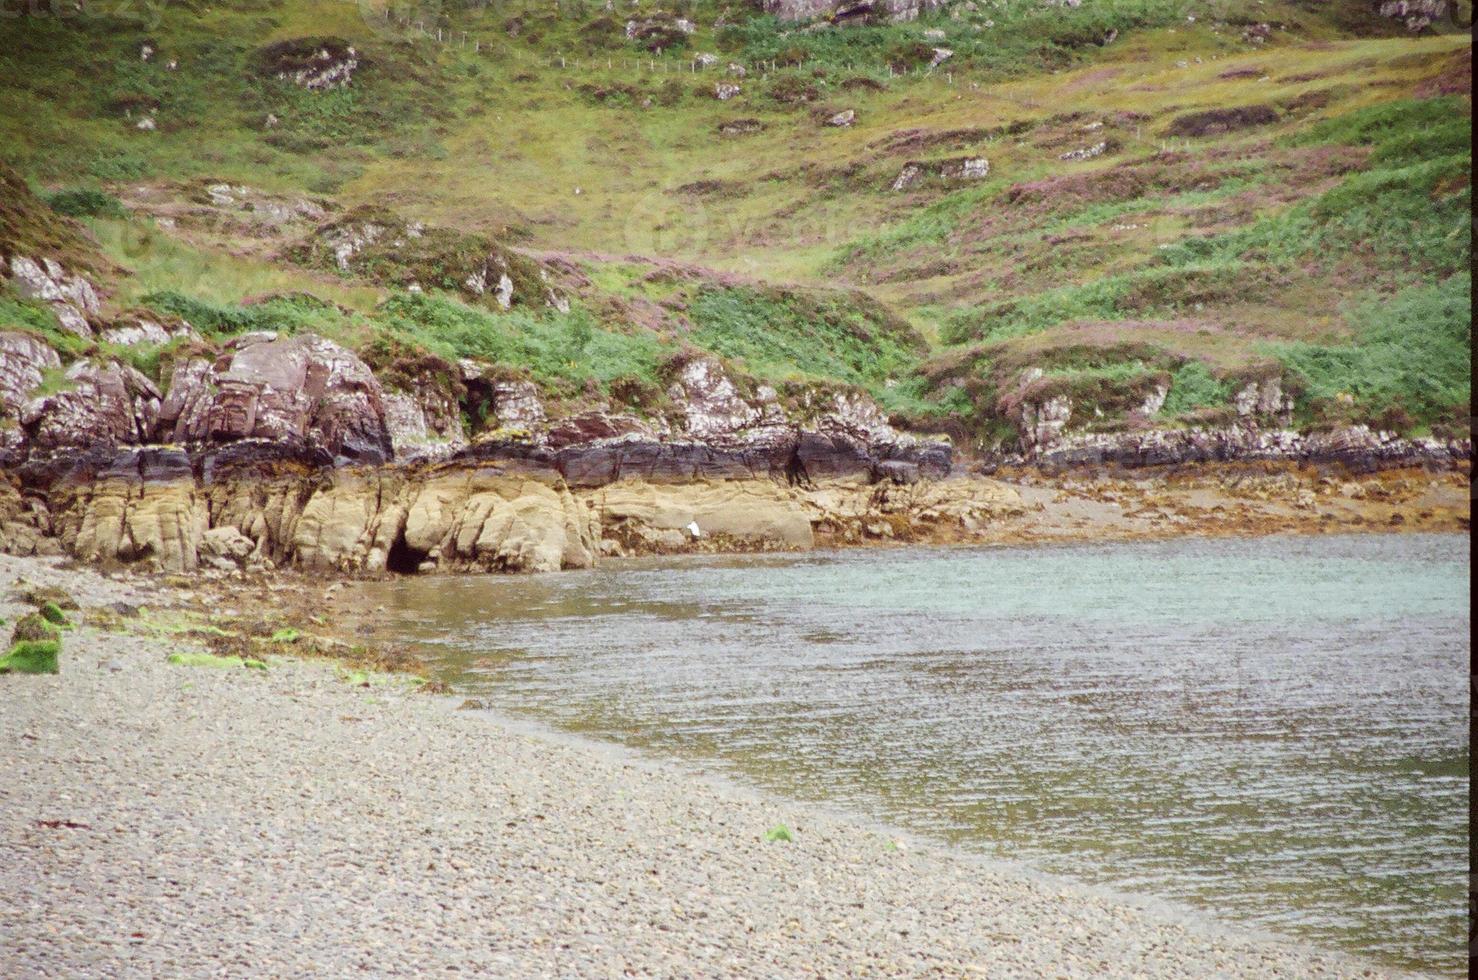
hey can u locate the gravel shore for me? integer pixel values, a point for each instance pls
(191, 821)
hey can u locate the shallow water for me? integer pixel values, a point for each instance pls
(1275, 730)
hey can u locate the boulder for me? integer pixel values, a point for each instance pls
(24, 362)
(71, 297)
(102, 403)
(301, 390)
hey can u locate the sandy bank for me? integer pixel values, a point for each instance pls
(182, 821)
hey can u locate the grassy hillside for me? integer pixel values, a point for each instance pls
(1177, 193)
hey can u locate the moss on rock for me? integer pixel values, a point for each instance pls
(33, 627)
(32, 657)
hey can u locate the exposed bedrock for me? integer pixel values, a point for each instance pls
(261, 504)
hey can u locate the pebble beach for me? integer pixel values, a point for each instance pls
(167, 820)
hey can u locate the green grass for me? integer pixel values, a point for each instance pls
(492, 141)
(560, 350)
(788, 336)
(1411, 364)
(85, 202)
(1193, 386)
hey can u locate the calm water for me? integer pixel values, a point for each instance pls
(1275, 730)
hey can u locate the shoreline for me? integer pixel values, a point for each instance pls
(423, 839)
(485, 518)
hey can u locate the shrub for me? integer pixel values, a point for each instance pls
(1413, 352)
(85, 202)
(1193, 386)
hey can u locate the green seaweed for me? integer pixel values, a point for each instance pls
(193, 659)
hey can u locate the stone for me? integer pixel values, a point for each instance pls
(843, 119)
(71, 297)
(25, 360)
(102, 403)
(302, 390)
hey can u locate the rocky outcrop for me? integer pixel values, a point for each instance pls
(133, 328)
(101, 403)
(303, 390)
(960, 168)
(1357, 448)
(71, 296)
(25, 361)
(1417, 15)
(314, 63)
(379, 245)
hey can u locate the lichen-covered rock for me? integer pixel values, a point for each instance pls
(711, 404)
(71, 296)
(135, 328)
(301, 390)
(25, 361)
(102, 404)
(1417, 15)
(517, 405)
(314, 63)
(1356, 448)
(379, 245)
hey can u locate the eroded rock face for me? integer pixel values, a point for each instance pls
(301, 390)
(711, 404)
(72, 297)
(144, 507)
(102, 404)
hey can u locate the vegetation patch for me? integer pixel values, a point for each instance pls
(1214, 122)
(32, 657)
(197, 659)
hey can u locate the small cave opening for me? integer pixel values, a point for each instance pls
(403, 559)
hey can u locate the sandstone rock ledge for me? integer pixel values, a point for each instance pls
(259, 504)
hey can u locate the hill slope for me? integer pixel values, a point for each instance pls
(1036, 220)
